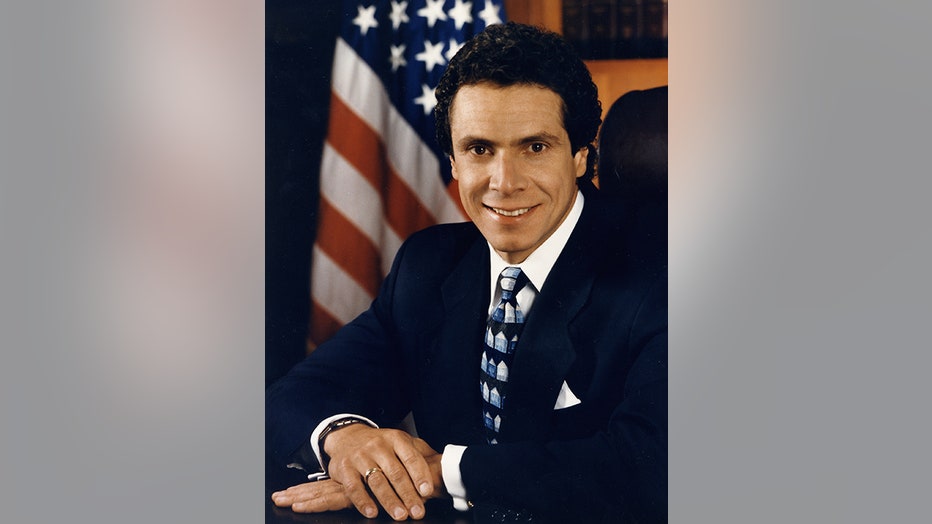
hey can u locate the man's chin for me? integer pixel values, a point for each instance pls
(513, 252)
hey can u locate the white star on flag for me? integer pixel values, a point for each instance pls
(489, 14)
(432, 55)
(427, 99)
(454, 48)
(433, 11)
(365, 19)
(398, 57)
(399, 16)
(461, 13)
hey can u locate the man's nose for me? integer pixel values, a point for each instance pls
(507, 176)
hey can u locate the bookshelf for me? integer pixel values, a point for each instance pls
(613, 76)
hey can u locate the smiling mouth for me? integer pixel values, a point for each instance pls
(512, 213)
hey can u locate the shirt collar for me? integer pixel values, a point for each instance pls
(538, 264)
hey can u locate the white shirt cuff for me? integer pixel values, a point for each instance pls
(452, 478)
(315, 437)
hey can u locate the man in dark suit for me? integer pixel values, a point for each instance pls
(529, 347)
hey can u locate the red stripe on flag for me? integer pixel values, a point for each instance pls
(322, 326)
(363, 148)
(348, 247)
(356, 142)
(404, 212)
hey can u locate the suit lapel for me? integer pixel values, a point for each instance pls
(545, 352)
(457, 355)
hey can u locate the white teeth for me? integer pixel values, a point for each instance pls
(516, 212)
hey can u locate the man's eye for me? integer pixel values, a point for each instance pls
(479, 150)
(538, 147)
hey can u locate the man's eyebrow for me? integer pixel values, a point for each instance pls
(472, 139)
(543, 136)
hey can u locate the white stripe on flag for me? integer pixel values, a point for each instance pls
(334, 290)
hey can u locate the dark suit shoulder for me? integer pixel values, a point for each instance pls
(441, 243)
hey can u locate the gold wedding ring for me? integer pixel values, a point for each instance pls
(369, 472)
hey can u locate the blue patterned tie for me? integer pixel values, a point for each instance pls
(501, 337)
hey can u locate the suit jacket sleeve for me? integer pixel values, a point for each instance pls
(357, 371)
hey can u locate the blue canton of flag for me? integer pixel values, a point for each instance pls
(408, 44)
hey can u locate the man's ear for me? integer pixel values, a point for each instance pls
(453, 168)
(579, 159)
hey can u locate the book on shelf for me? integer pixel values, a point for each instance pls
(605, 29)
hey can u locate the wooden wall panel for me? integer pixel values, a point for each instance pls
(544, 13)
(616, 77)
(613, 77)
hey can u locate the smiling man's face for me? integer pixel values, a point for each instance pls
(515, 167)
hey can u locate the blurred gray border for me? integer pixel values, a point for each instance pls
(799, 297)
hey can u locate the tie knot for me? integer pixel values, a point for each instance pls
(511, 280)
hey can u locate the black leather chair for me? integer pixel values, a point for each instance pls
(632, 167)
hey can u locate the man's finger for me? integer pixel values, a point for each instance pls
(328, 500)
(293, 494)
(380, 486)
(416, 466)
(313, 497)
(356, 491)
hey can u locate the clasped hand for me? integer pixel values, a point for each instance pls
(397, 462)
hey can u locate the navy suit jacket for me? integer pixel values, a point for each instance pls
(599, 324)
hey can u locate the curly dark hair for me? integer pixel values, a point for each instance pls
(513, 54)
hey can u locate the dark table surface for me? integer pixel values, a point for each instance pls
(438, 512)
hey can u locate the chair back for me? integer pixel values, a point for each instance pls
(632, 166)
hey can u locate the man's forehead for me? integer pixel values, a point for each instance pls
(486, 85)
(533, 108)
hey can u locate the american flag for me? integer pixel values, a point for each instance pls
(382, 174)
